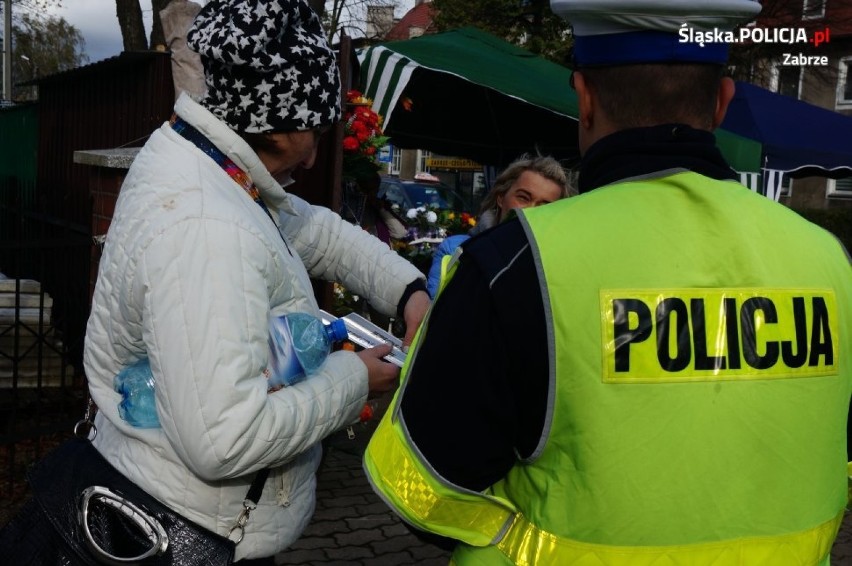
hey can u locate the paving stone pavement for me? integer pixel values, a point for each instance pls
(353, 527)
(841, 552)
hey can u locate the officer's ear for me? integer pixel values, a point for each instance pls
(593, 121)
(585, 99)
(724, 95)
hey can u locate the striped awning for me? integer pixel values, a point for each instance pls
(387, 76)
(472, 55)
(470, 94)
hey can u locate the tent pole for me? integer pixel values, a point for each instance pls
(7, 50)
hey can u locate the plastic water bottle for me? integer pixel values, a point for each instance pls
(136, 385)
(298, 345)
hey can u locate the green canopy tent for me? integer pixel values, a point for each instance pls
(467, 93)
(742, 154)
(470, 94)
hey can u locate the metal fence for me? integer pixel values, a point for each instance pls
(44, 300)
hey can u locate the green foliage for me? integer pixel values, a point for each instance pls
(31, 6)
(43, 46)
(837, 220)
(527, 23)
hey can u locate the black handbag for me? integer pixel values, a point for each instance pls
(84, 511)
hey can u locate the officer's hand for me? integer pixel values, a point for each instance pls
(414, 312)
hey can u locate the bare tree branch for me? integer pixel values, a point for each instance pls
(353, 17)
(129, 15)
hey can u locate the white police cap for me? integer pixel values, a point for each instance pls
(616, 32)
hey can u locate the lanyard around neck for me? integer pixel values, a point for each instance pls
(242, 178)
(226, 163)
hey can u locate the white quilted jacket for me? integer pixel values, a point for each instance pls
(191, 269)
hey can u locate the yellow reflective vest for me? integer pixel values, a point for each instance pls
(701, 378)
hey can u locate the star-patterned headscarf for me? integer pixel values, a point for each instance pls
(267, 65)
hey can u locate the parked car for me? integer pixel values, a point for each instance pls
(415, 193)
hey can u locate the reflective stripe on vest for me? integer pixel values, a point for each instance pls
(467, 516)
(480, 520)
(527, 544)
(448, 266)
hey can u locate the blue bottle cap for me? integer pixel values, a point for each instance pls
(337, 330)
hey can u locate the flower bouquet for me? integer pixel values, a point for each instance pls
(429, 222)
(362, 138)
(451, 222)
(427, 227)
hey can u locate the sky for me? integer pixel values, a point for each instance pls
(97, 21)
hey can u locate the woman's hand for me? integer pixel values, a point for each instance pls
(382, 376)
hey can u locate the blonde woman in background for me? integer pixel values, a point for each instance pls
(527, 181)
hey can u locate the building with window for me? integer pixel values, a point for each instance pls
(818, 71)
(414, 23)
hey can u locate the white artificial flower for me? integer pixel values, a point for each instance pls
(412, 213)
(431, 217)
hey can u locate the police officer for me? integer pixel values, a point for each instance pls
(657, 371)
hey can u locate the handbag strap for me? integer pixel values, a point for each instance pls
(87, 424)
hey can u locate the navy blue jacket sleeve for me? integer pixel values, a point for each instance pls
(476, 394)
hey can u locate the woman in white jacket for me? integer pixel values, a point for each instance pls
(204, 245)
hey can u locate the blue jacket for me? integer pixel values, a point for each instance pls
(447, 247)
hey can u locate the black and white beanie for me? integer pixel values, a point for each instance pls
(267, 65)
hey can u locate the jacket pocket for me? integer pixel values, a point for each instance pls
(298, 471)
